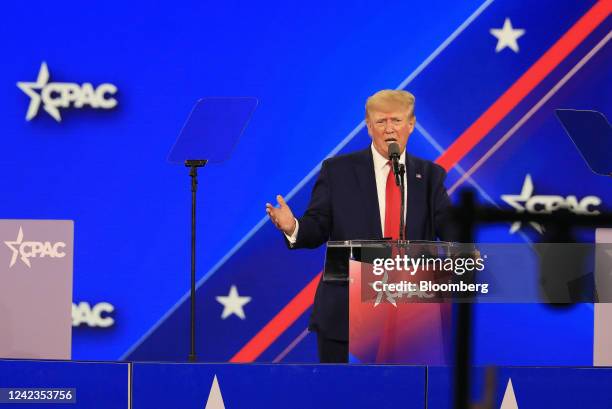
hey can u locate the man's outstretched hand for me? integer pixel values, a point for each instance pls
(281, 216)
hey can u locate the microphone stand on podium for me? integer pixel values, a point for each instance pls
(399, 170)
(402, 232)
(209, 135)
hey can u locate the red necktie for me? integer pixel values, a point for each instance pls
(392, 206)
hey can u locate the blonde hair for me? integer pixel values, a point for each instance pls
(388, 99)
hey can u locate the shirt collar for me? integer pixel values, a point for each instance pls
(380, 161)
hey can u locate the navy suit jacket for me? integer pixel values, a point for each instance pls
(344, 206)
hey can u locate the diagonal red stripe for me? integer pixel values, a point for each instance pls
(461, 147)
(287, 316)
(525, 84)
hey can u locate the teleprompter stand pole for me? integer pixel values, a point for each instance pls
(193, 166)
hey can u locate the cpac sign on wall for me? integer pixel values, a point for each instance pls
(36, 288)
(56, 95)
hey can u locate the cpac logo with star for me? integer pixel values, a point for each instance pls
(547, 204)
(26, 250)
(56, 95)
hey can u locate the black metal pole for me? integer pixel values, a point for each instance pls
(194, 187)
(193, 173)
(463, 333)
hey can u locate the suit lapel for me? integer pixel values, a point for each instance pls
(364, 172)
(416, 194)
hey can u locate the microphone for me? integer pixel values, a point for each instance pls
(394, 155)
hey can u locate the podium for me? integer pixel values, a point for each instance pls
(391, 326)
(401, 293)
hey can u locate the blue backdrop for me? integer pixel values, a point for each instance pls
(311, 66)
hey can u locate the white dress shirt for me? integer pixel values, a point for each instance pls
(381, 172)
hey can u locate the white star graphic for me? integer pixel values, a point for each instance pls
(507, 36)
(233, 303)
(14, 246)
(29, 89)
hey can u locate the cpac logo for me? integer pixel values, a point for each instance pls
(547, 204)
(55, 95)
(33, 249)
(96, 316)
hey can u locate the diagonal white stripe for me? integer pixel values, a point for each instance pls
(445, 44)
(457, 167)
(310, 175)
(291, 346)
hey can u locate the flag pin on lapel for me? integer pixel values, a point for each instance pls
(418, 176)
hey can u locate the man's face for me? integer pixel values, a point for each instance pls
(389, 126)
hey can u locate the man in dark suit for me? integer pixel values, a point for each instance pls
(356, 198)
